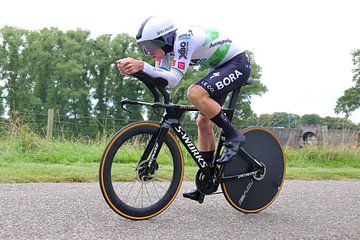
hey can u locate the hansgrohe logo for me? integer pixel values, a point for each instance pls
(220, 43)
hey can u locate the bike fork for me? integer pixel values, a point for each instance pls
(153, 148)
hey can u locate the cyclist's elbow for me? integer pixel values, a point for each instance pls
(173, 82)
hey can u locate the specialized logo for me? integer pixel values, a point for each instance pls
(173, 63)
(215, 74)
(220, 43)
(165, 30)
(183, 50)
(191, 147)
(152, 158)
(228, 80)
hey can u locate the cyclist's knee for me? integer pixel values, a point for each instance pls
(204, 124)
(196, 92)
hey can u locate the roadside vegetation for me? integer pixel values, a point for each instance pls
(27, 157)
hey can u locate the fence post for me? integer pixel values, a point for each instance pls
(50, 124)
(325, 135)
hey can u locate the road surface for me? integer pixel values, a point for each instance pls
(303, 210)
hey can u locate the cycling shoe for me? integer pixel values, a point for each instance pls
(194, 194)
(231, 149)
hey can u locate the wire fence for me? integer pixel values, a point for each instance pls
(98, 128)
(65, 127)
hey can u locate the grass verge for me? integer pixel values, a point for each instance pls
(31, 159)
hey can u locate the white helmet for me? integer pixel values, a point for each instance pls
(156, 32)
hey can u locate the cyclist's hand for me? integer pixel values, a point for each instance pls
(127, 66)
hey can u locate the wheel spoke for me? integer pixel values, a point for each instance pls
(156, 190)
(132, 186)
(137, 196)
(127, 185)
(148, 194)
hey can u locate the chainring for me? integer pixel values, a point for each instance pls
(204, 184)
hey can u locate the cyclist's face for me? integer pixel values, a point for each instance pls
(158, 54)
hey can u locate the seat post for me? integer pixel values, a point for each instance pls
(230, 111)
(234, 98)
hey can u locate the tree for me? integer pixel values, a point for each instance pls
(310, 119)
(338, 123)
(350, 101)
(243, 107)
(264, 120)
(278, 119)
(18, 85)
(122, 87)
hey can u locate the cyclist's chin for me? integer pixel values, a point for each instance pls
(158, 54)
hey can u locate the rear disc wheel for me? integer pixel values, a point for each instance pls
(255, 193)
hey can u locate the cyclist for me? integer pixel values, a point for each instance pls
(228, 68)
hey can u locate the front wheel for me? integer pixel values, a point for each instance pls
(254, 193)
(128, 185)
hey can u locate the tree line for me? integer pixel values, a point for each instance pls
(75, 74)
(290, 120)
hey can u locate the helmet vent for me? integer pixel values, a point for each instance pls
(139, 34)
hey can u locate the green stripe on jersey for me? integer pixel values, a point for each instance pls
(211, 35)
(164, 68)
(217, 56)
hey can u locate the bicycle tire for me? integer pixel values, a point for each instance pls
(249, 195)
(109, 172)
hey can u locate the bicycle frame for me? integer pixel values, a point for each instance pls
(171, 119)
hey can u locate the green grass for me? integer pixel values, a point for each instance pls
(320, 162)
(28, 158)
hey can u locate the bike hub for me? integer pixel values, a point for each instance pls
(261, 173)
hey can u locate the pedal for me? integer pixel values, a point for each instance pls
(201, 198)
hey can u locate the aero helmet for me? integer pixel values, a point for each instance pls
(156, 32)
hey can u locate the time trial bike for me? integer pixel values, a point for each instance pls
(142, 167)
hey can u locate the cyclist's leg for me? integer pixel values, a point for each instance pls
(221, 81)
(218, 83)
(206, 141)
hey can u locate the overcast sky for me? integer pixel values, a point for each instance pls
(303, 46)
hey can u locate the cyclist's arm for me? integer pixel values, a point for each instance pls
(183, 50)
(171, 77)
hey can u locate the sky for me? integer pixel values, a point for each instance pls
(303, 46)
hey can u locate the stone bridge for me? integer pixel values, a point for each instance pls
(309, 134)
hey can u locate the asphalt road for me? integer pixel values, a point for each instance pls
(303, 210)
